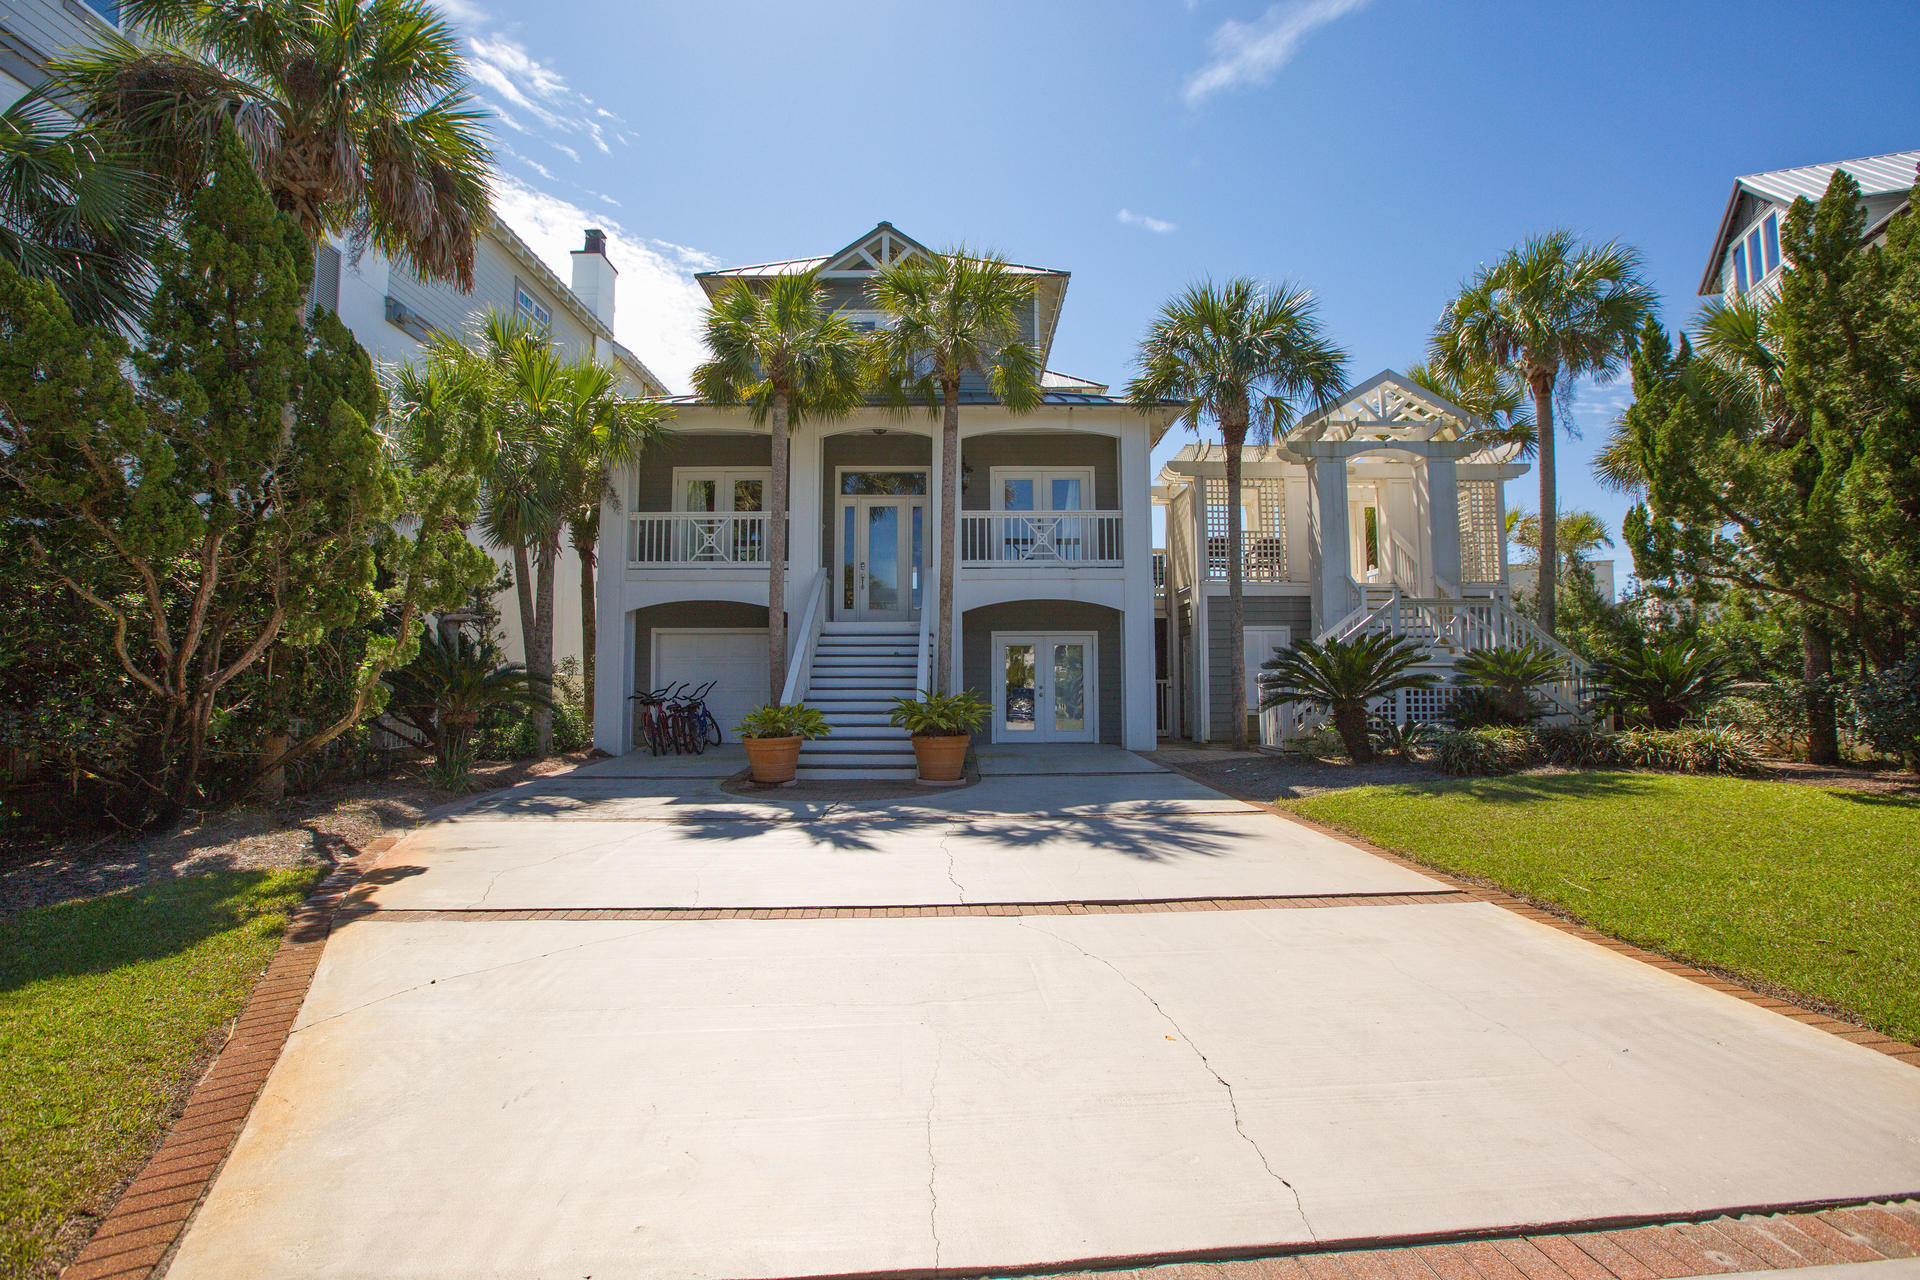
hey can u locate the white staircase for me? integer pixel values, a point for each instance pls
(858, 669)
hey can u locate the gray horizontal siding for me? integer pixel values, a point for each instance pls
(448, 309)
(983, 453)
(1293, 611)
(976, 648)
(654, 489)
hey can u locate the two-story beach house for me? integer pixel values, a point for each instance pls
(1379, 512)
(1746, 250)
(1053, 594)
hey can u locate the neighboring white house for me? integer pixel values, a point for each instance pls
(1746, 251)
(1054, 592)
(1377, 513)
(390, 311)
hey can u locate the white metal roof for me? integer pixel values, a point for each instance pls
(1890, 174)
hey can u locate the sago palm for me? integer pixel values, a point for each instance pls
(1664, 684)
(1505, 679)
(784, 352)
(1343, 676)
(949, 315)
(77, 211)
(1547, 312)
(1246, 357)
(356, 113)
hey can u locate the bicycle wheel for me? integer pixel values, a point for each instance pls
(650, 729)
(713, 735)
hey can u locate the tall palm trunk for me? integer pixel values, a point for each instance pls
(1235, 434)
(1549, 557)
(949, 529)
(1816, 671)
(777, 552)
(540, 646)
(523, 592)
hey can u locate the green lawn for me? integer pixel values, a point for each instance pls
(103, 1004)
(1814, 890)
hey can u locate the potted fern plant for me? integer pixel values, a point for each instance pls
(772, 735)
(942, 725)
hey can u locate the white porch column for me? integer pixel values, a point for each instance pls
(612, 655)
(1139, 701)
(806, 508)
(1443, 519)
(1331, 559)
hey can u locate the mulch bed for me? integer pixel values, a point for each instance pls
(323, 828)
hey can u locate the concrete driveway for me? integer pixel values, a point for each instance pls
(1094, 1066)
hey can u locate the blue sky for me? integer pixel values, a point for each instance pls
(1376, 151)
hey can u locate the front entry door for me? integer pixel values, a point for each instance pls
(1044, 688)
(881, 545)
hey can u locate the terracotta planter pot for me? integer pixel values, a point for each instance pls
(772, 760)
(942, 759)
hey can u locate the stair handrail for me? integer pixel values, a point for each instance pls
(800, 666)
(923, 655)
(1357, 621)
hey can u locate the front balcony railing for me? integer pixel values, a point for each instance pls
(656, 538)
(1021, 538)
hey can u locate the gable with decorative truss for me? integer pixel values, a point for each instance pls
(882, 247)
(1389, 406)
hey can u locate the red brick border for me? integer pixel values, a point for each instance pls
(1717, 1242)
(1116, 906)
(140, 1230)
(1901, 1050)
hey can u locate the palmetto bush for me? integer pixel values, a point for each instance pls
(1577, 746)
(1665, 685)
(1721, 750)
(1497, 684)
(1487, 750)
(1342, 677)
(441, 696)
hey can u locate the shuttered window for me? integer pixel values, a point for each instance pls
(325, 291)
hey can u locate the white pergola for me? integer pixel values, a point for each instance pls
(1387, 414)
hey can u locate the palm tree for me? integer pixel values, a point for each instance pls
(785, 353)
(1247, 357)
(1343, 676)
(1547, 312)
(1490, 395)
(521, 391)
(355, 112)
(600, 429)
(1577, 535)
(953, 314)
(78, 211)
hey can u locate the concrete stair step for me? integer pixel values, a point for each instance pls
(860, 760)
(889, 662)
(861, 773)
(863, 684)
(879, 732)
(832, 707)
(845, 720)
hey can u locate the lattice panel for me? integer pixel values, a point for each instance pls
(1265, 544)
(1267, 547)
(1480, 531)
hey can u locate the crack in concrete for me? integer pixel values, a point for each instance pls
(1233, 1103)
(933, 1165)
(946, 834)
(468, 973)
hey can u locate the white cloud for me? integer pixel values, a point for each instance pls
(1159, 226)
(658, 309)
(1247, 53)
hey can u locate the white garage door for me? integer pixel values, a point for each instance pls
(736, 659)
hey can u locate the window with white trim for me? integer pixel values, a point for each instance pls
(530, 308)
(1026, 489)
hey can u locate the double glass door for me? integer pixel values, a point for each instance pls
(882, 546)
(1044, 688)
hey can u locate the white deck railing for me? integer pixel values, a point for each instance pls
(697, 538)
(1066, 538)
